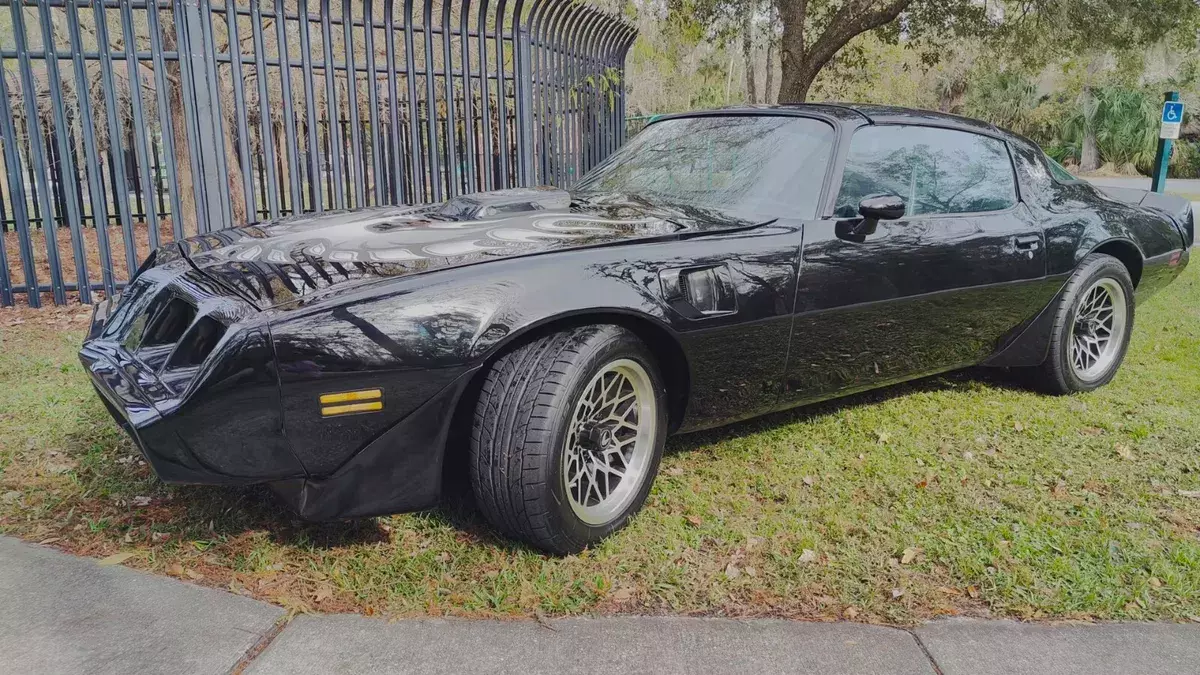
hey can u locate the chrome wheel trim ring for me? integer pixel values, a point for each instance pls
(610, 442)
(1097, 329)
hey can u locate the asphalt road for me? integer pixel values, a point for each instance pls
(63, 614)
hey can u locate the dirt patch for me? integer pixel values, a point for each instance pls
(95, 263)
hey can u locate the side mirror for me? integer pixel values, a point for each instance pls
(881, 207)
(872, 209)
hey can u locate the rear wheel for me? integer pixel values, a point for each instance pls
(1092, 326)
(567, 436)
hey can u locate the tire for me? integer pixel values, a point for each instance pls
(1101, 281)
(533, 425)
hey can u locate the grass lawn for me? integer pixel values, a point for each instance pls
(960, 494)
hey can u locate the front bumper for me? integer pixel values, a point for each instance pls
(233, 434)
(215, 420)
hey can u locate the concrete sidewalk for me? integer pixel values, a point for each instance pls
(62, 614)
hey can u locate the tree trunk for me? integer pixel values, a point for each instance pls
(794, 77)
(183, 149)
(748, 53)
(1089, 155)
(802, 60)
(179, 135)
(794, 83)
(183, 153)
(237, 192)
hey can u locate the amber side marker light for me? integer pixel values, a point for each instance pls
(347, 402)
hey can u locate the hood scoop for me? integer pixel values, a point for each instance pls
(483, 205)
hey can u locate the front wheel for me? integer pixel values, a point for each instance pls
(567, 436)
(1092, 326)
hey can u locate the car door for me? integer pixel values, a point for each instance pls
(938, 288)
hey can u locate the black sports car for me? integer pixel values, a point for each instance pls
(721, 265)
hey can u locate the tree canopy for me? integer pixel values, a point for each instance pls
(811, 33)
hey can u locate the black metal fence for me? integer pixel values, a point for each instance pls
(129, 123)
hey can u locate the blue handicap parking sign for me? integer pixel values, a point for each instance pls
(1172, 112)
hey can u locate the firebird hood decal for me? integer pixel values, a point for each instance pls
(299, 257)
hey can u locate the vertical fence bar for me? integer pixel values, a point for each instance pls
(191, 115)
(289, 118)
(448, 87)
(373, 100)
(164, 116)
(501, 116)
(310, 111)
(434, 171)
(208, 100)
(484, 96)
(464, 44)
(614, 33)
(523, 84)
(414, 132)
(561, 94)
(266, 131)
(592, 39)
(573, 74)
(541, 99)
(65, 156)
(621, 99)
(116, 153)
(239, 107)
(16, 188)
(331, 106)
(399, 185)
(6, 292)
(134, 76)
(37, 157)
(352, 105)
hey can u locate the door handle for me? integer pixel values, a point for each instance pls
(1030, 242)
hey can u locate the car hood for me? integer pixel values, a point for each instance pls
(301, 257)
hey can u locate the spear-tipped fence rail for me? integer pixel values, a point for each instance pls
(126, 124)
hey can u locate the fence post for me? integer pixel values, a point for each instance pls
(524, 99)
(205, 133)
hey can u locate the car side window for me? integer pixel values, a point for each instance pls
(1037, 187)
(935, 171)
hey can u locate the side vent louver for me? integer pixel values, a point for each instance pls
(197, 344)
(168, 323)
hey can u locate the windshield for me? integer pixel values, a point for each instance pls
(758, 167)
